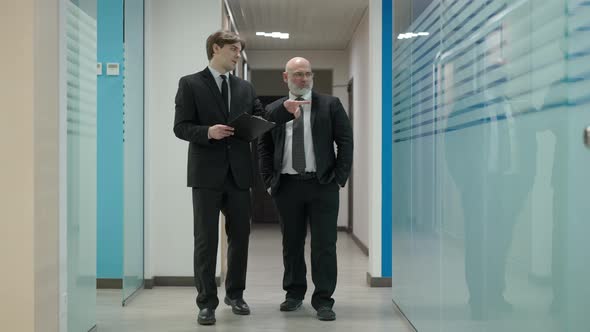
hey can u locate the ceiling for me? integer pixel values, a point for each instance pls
(311, 24)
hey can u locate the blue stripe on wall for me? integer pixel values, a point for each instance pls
(386, 163)
(110, 143)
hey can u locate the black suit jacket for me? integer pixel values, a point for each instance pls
(329, 125)
(199, 105)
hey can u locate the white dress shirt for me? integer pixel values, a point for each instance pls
(310, 165)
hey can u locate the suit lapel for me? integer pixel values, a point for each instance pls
(210, 81)
(315, 105)
(281, 138)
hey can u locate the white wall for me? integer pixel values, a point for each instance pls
(337, 61)
(359, 64)
(176, 32)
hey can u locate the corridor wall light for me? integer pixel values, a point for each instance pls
(275, 34)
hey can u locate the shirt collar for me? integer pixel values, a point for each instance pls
(216, 74)
(306, 96)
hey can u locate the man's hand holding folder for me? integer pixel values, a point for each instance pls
(248, 127)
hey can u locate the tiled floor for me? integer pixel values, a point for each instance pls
(358, 307)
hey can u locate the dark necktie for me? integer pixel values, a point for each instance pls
(224, 94)
(297, 144)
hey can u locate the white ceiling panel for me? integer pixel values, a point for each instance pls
(311, 24)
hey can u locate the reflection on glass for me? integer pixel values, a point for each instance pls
(498, 178)
(80, 41)
(488, 111)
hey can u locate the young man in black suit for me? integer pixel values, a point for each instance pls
(304, 173)
(219, 168)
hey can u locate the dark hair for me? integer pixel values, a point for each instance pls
(221, 38)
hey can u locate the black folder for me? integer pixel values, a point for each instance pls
(248, 127)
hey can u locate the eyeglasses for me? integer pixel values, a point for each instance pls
(299, 74)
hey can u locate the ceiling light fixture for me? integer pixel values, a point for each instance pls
(275, 34)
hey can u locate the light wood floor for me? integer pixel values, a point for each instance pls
(357, 307)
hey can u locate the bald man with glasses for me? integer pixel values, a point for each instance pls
(304, 174)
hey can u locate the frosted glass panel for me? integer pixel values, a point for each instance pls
(80, 55)
(489, 166)
(133, 150)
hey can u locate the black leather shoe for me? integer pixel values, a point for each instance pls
(326, 313)
(238, 306)
(290, 305)
(206, 316)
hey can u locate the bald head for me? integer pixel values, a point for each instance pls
(296, 63)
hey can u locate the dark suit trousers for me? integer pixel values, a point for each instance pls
(299, 201)
(234, 203)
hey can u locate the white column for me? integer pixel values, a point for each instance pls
(375, 202)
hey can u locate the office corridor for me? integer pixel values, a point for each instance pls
(357, 307)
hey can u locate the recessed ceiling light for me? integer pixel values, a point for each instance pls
(275, 34)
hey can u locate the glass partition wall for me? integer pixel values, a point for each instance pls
(489, 117)
(133, 124)
(80, 70)
(79, 42)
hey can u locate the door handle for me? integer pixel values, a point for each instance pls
(587, 137)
